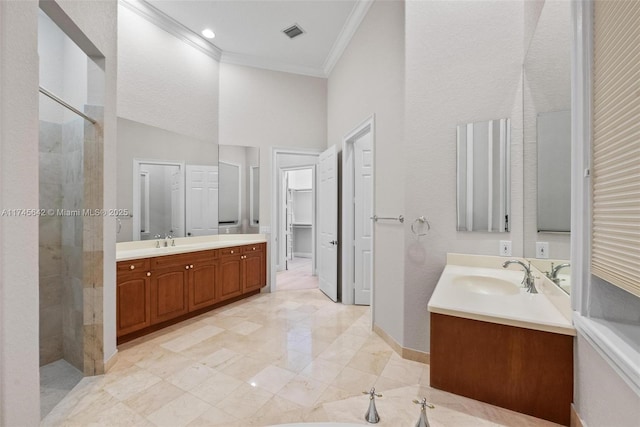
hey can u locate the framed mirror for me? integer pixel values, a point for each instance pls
(483, 176)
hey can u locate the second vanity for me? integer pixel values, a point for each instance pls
(163, 282)
(493, 341)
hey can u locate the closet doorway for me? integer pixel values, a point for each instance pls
(298, 223)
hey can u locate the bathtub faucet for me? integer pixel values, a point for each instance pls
(528, 280)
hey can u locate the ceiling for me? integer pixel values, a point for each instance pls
(249, 32)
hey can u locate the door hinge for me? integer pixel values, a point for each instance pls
(587, 173)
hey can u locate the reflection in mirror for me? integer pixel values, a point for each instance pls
(547, 136)
(158, 200)
(557, 270)
(254, 196)
(239, 189)
(554, 171)
(483, 158)
(141, 143)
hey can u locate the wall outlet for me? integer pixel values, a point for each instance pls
(505, 247)
(542, 250)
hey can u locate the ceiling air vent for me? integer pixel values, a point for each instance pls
(293, 31)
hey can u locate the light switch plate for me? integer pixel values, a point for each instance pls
(542, 250)
(505, 247)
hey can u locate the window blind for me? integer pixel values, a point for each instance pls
(615, 255)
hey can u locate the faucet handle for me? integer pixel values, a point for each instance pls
(423, 403)
(157, 236)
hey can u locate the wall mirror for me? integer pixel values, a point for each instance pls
(483, 176)
(177, 185)
(547, 143)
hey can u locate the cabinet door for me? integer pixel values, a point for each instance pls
(230, 276)
(133, 303)
(254, 274)
(203, 285)
(169, 294)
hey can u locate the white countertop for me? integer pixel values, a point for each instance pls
(147, 248)
(542, 311)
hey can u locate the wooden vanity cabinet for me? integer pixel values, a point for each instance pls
(133, 308)
(230, 272)
(169, 287)
(254, 267)
(204, 280)
(155, 292)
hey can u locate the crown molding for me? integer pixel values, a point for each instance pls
(173, 27)
(269, 64)
(352, 24)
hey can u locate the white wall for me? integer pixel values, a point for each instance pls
(164, 82)
(463, 64)
(369, 79)
(265, 109)
(19, 375)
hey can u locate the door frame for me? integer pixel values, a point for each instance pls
(348, 211)
(276, 194)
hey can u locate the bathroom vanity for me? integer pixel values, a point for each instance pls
(493, 341)
(160, 286)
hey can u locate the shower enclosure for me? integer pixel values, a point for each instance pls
(70, 220)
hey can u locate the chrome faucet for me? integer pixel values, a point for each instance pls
(528, 280)
(168, 237)
(553, 275)
(157, 236)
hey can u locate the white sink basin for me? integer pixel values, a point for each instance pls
(486, 285)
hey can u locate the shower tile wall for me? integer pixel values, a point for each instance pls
(50, 258)
(93, 254)
(72, 241)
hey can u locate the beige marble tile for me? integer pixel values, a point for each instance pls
(244, 401)
(371, 363)
(405, 371)
(164, 363)
(118, 415)
(213, 417)
(322, 370)
(271, 378)
(354, 381)
(153, 398)
(244, 368)
(216, 388)
(246, 327)
(179, 412)
(219, 359)
(191, 376)
(303, 390)
(135, 382)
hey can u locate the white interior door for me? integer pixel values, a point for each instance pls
(328, 223)
(177, 220)
(363, 211)
(202, 200)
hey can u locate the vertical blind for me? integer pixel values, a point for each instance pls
(616, 144)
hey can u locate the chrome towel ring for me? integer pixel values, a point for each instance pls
(420, 220)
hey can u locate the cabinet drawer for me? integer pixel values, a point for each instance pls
(133, 265)
(258, 247)
(182, 259)
(234, 250)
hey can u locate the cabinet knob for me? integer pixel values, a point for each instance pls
(186, 267)
(254, 248)
(132, 267)
(231, 251)
(191, 266)
(148, 273)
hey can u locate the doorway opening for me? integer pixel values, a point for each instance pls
(299, 227)
(293, 238)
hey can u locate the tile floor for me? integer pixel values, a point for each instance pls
(270, 359)
(57, 379)
(297, 276)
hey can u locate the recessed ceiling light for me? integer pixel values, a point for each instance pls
(208, 33)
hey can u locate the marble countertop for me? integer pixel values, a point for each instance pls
(147, 248)
(548, 310)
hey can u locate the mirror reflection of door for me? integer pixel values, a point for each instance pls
(158, 200)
